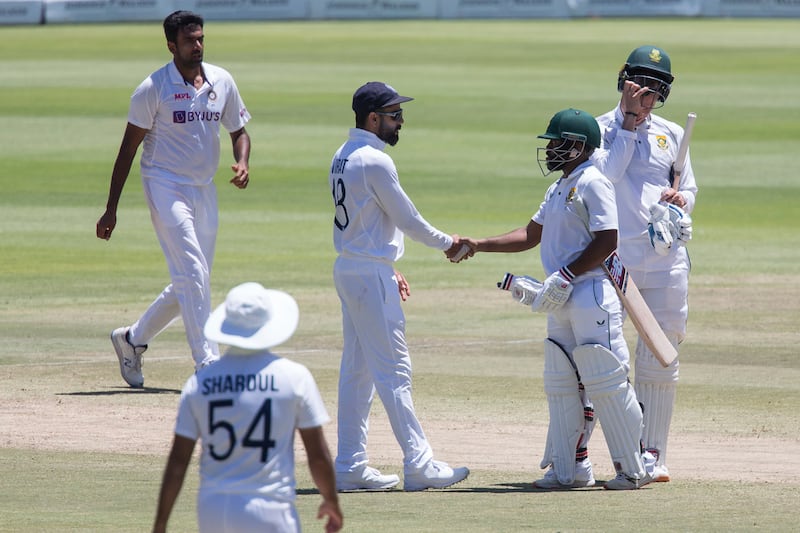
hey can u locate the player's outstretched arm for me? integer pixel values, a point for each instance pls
(174, 474)
(322, 472)
(517, 240)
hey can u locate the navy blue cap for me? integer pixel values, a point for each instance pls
(376, 95)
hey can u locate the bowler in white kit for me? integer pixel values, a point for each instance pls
(176, 113)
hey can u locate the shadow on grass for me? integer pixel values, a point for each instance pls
(121, 390)
(500, 488)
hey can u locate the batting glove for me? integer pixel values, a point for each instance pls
(555, 291)
(524, 289)
(682, 223)
(661, 229)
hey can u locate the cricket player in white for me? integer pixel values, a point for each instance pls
(245, 409)
(639, 149)
(576, 229)
(177, 113)
(372, 215)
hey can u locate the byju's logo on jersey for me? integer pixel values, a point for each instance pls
(182, 117)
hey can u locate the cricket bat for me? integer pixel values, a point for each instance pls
(638, 311)
(680, 160)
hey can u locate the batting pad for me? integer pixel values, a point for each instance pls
(566, 412)
(615, 404)
(656, 388)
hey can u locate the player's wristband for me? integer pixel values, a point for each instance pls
(566, 273)
(631, 113)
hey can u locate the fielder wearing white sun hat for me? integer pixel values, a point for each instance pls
(253, 318)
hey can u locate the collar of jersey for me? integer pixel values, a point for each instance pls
(367, 137)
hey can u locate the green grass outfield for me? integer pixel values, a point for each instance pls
(80, 452)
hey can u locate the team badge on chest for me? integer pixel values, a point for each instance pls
(661, 141)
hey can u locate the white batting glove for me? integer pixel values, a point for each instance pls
(524, 289)
(555, 292)
(661, 229)
(682, 222)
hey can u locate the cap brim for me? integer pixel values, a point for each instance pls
(397, 100)
(281, 325)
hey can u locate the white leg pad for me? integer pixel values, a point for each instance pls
(566, 412)
(656, 389)
(615, 404)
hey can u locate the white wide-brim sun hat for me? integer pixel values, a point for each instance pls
(253, 318)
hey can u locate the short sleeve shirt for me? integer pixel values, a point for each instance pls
(245, 409)
(574, 208)
(182, 144)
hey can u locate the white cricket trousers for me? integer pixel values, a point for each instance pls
(185, 221)
(220, 512)
(592, 315)
(374, 358)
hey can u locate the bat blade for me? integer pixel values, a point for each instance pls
(680, 160)
(638, 311)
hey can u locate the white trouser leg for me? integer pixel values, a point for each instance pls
(185, 220)
(370, 295)
(356, 391)
(606, 382)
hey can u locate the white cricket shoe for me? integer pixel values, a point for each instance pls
(130, 357)
(583, 478)
(625, 482)
(367, 478)
(660, 474)
(435, 475)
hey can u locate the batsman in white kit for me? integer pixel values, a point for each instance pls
(177, 113)
(585, 354)
(641, 156)
(372, 215)
(245, 409)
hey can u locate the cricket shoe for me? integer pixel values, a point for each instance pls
(366, 479)
(435, 475)
(130, 357)
(625, 482)
(660, 474)
(583, 478)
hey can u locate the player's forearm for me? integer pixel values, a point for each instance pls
(241, 147)
(119, 175)
(517, 240)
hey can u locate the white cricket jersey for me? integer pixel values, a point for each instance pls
(574, 208)
(244, 409)
(638, 163)
(182, 144)
(373, 211)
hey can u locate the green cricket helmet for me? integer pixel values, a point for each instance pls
(571, 126)
(648, 66)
